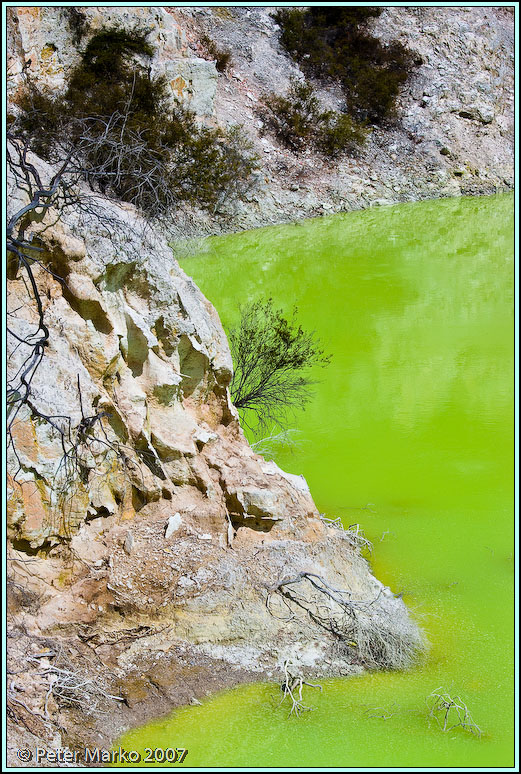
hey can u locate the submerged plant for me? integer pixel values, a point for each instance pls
(276, 442)
(292, 686)
(451, 712)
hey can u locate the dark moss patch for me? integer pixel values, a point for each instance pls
(127, 138)
(77, 20)
(333, 43)
(298, 121)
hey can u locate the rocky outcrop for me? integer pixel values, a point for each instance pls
(138, 506)
(44, 45)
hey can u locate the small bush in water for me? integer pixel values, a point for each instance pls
(272, 359)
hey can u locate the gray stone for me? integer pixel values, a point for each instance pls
(129, 543)
(194, 81)
(174, 522)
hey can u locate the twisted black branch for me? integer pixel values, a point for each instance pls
(87, 439)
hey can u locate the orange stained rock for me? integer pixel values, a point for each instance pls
(178, 85)
(314, 530)
(24, 437)
(34, 508)
(127, 509)
(29, 11)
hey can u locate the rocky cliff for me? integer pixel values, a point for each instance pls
(146, 537)
(456, 130)
(153, 557)
(455, 134)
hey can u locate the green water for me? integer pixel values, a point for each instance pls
(411, 435)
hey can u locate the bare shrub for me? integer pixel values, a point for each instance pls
(365, 626)
(70, 686)
(450, 712)
(354, 533)
(292, 686)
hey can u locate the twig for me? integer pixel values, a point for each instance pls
(291, 688)
(450, 712)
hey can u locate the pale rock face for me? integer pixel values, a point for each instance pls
(192, 526)
(462, 94)
(193, 80)
(174, 522)
(42, 44)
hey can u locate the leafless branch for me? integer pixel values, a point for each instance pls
(450, 712)
(360, 625)
(291, 688)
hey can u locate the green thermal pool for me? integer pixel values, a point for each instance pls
(410, 434)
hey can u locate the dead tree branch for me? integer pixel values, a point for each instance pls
(361, 625)
(70, 687)
(291, 688)
(451, 712)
